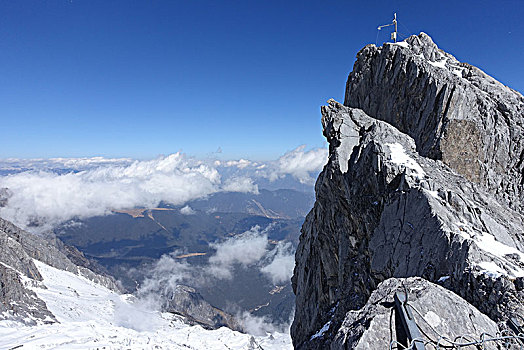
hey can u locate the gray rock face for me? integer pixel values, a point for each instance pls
(19, 303)
(188, 302)
(5, 194)
(51, 252)
(383, 211)
(453, 111)
(17, 271)
(378, 324)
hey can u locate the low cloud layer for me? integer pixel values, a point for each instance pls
(240, 184)
(48, 198)
(300, 164)
(245, 249)
(44, 193)
(280, 269)
(250, 249)
(262, 325)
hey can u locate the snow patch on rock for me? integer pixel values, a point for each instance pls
(398, 156)
(321, 332)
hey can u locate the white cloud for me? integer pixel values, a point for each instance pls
(139, 315)
(250, 248)
(63, 163)
(55, 190)
(261, 325)
(240, 184)
(241, 163)
(163, 278)
(51, 198)
(281, 267)
(244, 249)
(84, 163)
(187, 210)
(300, 164)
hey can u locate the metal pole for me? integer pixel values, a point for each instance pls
(395, 21)
(408, 321)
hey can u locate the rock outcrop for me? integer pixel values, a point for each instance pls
(403, 193)
(5, 194)
(18, 272)
(377, 325)
(453, 110)
(187, 302)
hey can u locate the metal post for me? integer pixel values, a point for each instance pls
(394, 34)
(395, 21)
(517, 328)
(408, 321)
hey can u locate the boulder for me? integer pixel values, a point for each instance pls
(437, 312)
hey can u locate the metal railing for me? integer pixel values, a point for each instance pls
(420, 340)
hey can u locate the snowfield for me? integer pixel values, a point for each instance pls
(93, 317)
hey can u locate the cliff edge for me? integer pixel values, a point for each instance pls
(424, 179)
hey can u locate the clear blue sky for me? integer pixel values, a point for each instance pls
(142, 78)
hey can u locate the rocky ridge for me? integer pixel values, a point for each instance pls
(454, 111)
(425, 179)
(18, 272)
(434, 303)
(186, 301)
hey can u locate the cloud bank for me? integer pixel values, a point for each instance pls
(301, 164)
(250, 249)
(44, 197)
(245, 249)
(43, 193)
(280, 269)
(240, 184)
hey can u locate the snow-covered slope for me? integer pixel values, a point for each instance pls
(92, 316)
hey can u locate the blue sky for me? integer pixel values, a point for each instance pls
(143, 78)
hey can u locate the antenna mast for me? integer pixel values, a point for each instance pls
(394, 34)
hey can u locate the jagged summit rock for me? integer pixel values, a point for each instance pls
(409, 190)
(453, 110)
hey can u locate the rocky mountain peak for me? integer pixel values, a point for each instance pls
(424, 179)
(454, 112)
(422, 44)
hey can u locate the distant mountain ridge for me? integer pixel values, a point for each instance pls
(277, 204)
